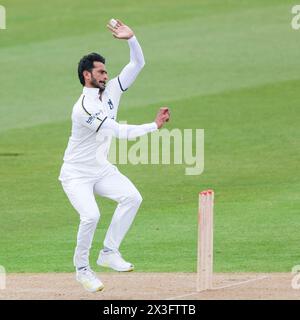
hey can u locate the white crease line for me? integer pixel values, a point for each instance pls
(184, 295)
(240, 283)
(218, 288)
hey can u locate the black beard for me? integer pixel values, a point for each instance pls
(95, 83)
(101, 89)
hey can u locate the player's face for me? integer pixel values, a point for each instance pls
(98, 76)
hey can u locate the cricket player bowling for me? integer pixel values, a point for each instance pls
(82, 174)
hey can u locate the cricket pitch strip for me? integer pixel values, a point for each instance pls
(150, 286)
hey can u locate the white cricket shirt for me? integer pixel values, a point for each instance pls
(87, 117)
(90, 114)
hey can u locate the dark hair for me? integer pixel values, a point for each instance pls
(87, 63)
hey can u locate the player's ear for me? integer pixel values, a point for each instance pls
(87, 75)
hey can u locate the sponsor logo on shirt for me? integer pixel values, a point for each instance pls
(91, 119)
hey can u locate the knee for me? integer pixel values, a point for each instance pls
(138, 198)
(135, 198)
(91, 218)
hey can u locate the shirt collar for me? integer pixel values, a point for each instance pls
(93, 92)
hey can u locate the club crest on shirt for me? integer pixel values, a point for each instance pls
(110, 104)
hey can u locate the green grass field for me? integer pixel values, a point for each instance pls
(230, 67)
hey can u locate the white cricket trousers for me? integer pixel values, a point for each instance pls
(81, 193)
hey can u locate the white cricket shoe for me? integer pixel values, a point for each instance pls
(88, 279)
(114, 260)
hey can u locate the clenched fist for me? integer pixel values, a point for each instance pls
(163, 116)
